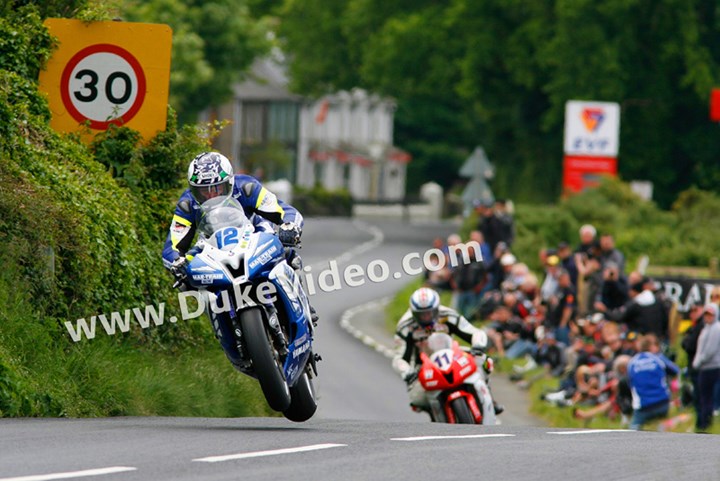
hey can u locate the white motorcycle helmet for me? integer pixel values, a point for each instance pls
(210, 175)
(424, 305)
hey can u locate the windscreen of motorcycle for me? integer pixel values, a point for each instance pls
(223, 222)
(439, 341)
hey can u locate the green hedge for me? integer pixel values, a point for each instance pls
(319, 201)
(82, 229)
(686, 235)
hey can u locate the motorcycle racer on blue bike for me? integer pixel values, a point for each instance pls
(210, 175)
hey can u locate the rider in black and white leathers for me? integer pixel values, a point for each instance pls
(411, 338)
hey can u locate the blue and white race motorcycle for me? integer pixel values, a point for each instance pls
(247, 278)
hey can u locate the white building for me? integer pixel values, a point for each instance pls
(346, 141)
(343, 140)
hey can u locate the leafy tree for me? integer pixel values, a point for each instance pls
(498, 73)
(213, 44)
(317, 46)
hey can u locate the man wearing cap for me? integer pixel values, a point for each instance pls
(707, 363)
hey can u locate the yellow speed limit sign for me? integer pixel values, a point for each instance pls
(107, 73)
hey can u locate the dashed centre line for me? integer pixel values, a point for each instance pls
(592, 431)
(72, 474)
(274, 452)
(467, 436)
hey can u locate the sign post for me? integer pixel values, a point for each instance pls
(106, 73)
(591, 143)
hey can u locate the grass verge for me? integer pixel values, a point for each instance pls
(42, 373)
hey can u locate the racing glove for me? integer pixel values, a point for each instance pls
(289, 234)
(410, 376)
(178, 269)
(479, 343)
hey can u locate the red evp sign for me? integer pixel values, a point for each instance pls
(580, 172)
(715, 105)
(590, 144)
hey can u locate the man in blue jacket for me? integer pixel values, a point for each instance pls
(210, 175)
(647, 374)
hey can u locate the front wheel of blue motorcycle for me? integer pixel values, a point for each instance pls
(265, 360)
(303, 404)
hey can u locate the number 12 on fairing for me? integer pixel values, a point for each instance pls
(226, 237)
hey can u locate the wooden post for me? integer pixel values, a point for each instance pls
(582, 294)
(713, 266)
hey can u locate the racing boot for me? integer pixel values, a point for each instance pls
(313, 316)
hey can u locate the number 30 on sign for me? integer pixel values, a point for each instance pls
(103, 84)
(107, 73)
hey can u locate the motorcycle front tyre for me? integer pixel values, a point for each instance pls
(462, 412)
(303, 403)
(266, 363)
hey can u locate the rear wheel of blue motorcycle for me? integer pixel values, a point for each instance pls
(303, 404)
(265, 360)
(462, 411)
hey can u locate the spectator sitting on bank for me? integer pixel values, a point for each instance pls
(586, 358)
(503, 270)
(519, 271)
(647, 373)
(619, 401)
(550, 354)
(643, 313)
(504, 329)
(630, 342)
(612, 342)
(527, 295)
(614, 290)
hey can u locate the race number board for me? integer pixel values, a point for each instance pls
(107, 73)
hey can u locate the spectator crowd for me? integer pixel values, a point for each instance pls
(603, 332)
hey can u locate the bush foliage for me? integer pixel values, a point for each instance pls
(686, 235)
(82, 229)
(319, 201)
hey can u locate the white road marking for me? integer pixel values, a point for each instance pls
(274, 452)
(469, 436)
(73, 474)
(346, 324)
(591, 431)
(377, 238)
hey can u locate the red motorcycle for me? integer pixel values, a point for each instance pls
(456, 389)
